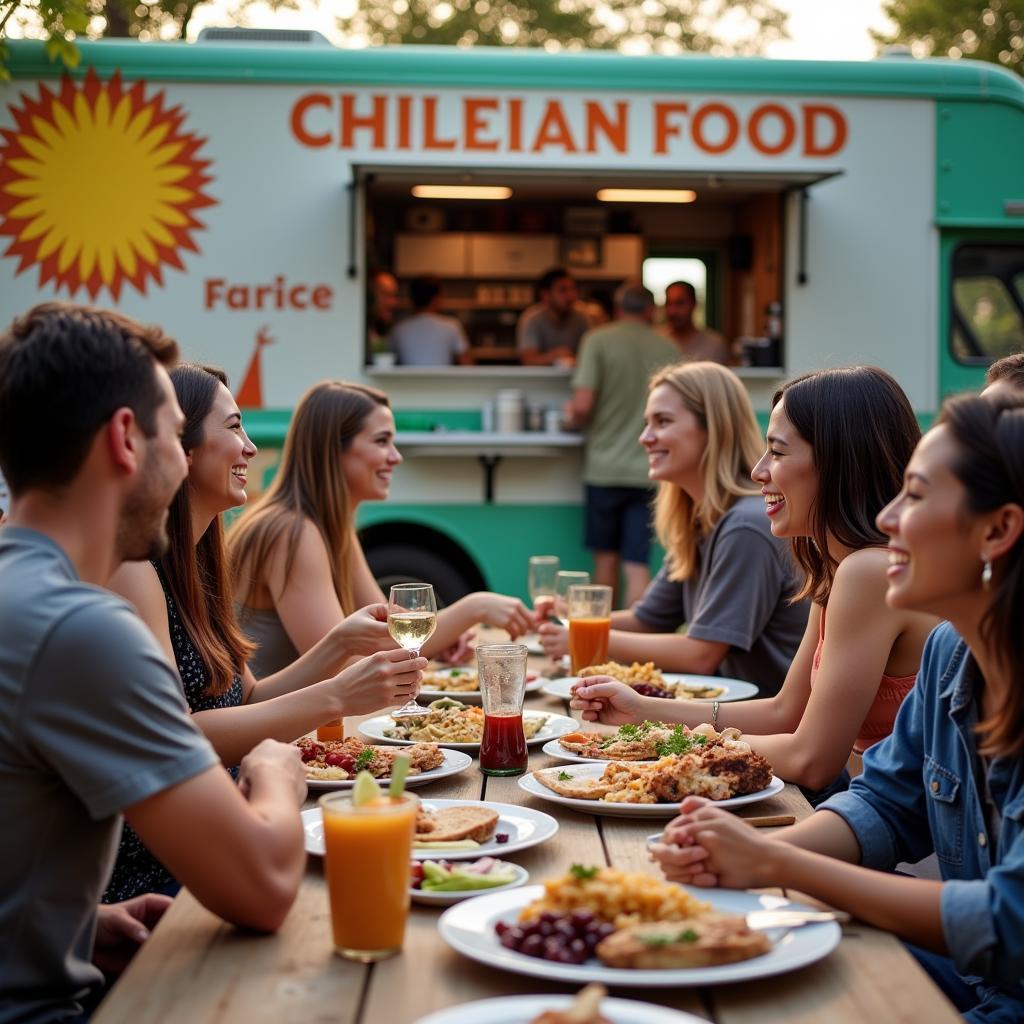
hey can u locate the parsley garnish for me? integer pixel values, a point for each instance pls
(656, 941)
(582, 874)
(364, 759)
(564, 776)
(679, 742)
(629, 732)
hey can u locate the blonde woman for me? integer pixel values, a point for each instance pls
(725, 575)
(297, 564)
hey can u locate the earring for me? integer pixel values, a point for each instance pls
(986, 574)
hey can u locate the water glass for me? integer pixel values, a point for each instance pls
(563, 581)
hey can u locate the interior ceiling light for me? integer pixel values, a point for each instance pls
(646, 195)
(461, 191)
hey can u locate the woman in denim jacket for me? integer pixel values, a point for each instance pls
(950, 778)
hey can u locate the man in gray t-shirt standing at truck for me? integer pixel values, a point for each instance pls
(93, 722)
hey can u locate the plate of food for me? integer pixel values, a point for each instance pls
(459, 726)
(463, 684)
(652, 682)
(334, 764)
(440, 883)
(647, 741)
(459, 829)
(631, 929)
(590, 1006)
(726, 771)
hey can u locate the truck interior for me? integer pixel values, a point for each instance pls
(728, 234)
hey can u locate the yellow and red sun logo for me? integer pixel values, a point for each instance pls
(99, 185)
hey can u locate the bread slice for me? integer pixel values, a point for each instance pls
(455, 823)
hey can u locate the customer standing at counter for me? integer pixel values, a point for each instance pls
(609, 391)
(693, 343)
(549, 331)
(427, 338)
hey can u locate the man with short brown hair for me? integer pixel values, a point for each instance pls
(93, 720)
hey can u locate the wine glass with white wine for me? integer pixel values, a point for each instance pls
(412, 619)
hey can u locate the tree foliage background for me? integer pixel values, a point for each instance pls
(665, 26)
(991, 30)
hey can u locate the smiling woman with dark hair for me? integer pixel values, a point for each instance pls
(837, 444)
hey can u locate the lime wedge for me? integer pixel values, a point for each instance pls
(365, 790)
(399, 770)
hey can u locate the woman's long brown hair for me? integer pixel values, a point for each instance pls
(862, 431)
(198, 573)
(989, 435)
(309, 485)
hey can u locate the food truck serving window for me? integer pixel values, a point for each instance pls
(488, 236)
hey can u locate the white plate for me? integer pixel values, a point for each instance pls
(446, 899)
(469, 929)
(524, 827)
(471, 696)
(735, 689)
(455, 761)
(591, 771)
(555, 749)
(555, 726)
(523, 1009)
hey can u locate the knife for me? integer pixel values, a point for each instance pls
(768, 920)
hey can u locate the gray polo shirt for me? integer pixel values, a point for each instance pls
(536, 329)
(739, 596)
(428, 339)
(92, 720)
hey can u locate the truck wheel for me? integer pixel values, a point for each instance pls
(402, 563)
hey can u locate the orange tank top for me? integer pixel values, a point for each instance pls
(882, 713)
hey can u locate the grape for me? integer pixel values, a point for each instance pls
(546, 928)
(578, 949)
(649, 690)
(531, 928)
(512, 938)
(533, 945)
(550, 916)
(564, 930)
(501, 927)
(605, 930)
(581, 918)
(553, 950)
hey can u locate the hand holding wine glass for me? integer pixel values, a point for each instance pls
(412, 619)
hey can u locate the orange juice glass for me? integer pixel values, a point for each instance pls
(367, 852)
(590, 610)
(333, 730)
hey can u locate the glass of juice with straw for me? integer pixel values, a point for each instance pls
(501, 669)
(368, 847)
(590, 622)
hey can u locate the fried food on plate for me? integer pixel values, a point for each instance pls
(706, 940)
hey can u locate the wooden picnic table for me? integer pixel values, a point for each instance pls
(195, 969)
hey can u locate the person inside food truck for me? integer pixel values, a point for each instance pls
(382, 305)
(428, 338)
(549, 332)
(694, 343)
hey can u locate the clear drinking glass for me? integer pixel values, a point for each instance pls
(412, 619)
(541, 580)
(563, 581)
(502, 672)
(590, 622)
(367, 848)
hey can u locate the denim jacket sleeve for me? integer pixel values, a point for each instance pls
(983, 921)
(885, 806)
